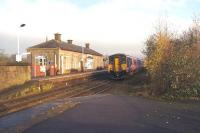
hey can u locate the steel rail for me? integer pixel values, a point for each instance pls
(27, 102)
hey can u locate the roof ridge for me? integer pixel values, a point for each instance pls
(65, 46)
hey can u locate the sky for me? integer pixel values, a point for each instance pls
(110, 26)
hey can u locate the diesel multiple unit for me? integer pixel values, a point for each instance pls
(120, 65)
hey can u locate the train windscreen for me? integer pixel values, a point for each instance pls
(123, 59)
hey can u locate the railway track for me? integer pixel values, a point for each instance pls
(95, 87)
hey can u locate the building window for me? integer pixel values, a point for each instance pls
(45, 62)
(41, 60)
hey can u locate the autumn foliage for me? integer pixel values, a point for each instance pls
(173, 62)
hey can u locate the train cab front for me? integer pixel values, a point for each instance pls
(117, 66)
(117, 75)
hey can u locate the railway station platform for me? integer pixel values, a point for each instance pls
(70, 76)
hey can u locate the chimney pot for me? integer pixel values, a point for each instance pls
(87, 45)
(58, 37)
(69, 41)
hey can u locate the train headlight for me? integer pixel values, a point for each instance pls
(123, 66)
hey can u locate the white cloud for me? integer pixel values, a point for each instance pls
(108, 24)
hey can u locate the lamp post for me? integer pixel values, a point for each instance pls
(18, 56)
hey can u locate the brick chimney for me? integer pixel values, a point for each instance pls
(58, 37)
(69, 41)
(87, 45)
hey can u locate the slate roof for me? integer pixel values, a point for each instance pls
(65, 46)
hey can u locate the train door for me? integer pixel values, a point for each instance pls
(117, 64)
(129, 63)
(133, 66)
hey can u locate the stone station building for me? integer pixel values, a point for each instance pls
(58, 57)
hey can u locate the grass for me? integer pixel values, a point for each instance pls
(27, 89)
(138, 85)
(132, 85)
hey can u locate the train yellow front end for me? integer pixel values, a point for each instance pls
(117, 66)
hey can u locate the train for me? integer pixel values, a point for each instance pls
(121, 65)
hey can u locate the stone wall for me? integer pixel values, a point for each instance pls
(13, 75)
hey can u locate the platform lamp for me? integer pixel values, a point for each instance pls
(18, 56)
